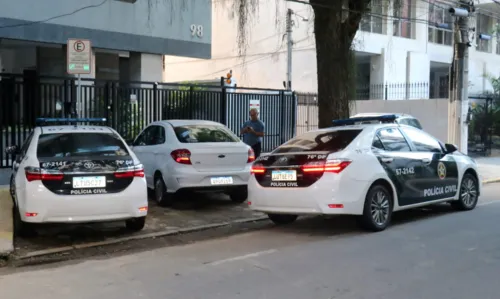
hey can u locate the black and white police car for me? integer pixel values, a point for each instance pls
(369, 170)
(75, 174)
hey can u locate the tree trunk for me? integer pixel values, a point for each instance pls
(334, 34)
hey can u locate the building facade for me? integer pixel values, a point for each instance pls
(129, 37)
(408, 49)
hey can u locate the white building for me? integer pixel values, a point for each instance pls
(412, 49)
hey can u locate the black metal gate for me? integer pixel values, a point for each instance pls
(484, 125)
(130, 106)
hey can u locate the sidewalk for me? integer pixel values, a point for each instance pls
(6, 232)
(489, 169)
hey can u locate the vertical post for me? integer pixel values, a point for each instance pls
(289, 49)
(79, 96)
(459, 80)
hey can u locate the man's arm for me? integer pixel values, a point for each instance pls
(243, 129)
(260, 130)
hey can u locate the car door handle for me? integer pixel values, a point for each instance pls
(387, 159)
(426, 161)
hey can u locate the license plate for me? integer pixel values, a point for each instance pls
(225, 180)
(89, 182)
(284, 175)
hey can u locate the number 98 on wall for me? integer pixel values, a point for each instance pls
(196, 30)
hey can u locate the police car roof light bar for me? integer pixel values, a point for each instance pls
(352, 121)
(41, 121)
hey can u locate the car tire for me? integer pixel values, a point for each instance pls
(161, 196)
(240, 195)
(282, 219)
(135, 224)
(377, 211)
(468, 194)
(22, 229)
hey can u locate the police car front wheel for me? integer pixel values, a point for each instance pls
(468, 196)
(377, 210)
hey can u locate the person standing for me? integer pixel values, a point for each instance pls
(253, 131)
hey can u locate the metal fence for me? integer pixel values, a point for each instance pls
(393, 91)
(130, 106)
(307, 108)
(484, 125)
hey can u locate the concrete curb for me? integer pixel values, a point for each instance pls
(490, 181)
(165, 233)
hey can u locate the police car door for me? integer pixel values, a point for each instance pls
(439, 171)
(402, 165)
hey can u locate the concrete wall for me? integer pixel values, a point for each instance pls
(150, 26)
(432, 114)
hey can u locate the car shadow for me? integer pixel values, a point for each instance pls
(190, 211)
(335, 225)
(199, 201)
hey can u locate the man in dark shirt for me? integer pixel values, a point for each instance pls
(253, 131)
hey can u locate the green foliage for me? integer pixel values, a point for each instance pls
(183, 101)
(486, 114)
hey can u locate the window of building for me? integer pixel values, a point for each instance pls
(484, 26)
(373, 22)
(402, 24)
(440, 24)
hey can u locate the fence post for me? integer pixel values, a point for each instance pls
(223, 106)
(294, 106)
(190, 103)
(156, 110)
(385, 91)
(283, 129)
(114, 106)
(106, 103)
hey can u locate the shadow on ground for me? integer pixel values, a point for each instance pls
(190, 212)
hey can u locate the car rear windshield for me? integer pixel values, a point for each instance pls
(79, 145)
(332, 141)
(204, 133)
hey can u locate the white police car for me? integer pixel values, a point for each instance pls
(368, 170)
(74, 174)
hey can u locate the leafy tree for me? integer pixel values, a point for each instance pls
(335, 25)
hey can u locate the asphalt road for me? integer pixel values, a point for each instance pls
(426, 254)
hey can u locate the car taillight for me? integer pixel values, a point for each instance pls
(258, 169)
(37, 174)
(182, 156)
(251, 156)
(135, 171)
(335, 166)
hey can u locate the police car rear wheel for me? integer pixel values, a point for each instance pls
(282, 219)
(468, 194)
(136, 224)
(377, 212)
(163, 198)
(22, 229)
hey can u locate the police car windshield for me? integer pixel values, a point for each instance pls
(333, 141)
(61, 145)
(204, 133)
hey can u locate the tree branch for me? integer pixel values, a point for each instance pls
(357, 8)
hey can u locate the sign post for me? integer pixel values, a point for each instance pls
(79, 59)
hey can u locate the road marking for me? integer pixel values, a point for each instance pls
(243, 257)
(488, 203)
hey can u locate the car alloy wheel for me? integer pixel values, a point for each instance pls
(380, 208)
(468, 192)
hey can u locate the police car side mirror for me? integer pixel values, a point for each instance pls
(450, 148)
(12, 150)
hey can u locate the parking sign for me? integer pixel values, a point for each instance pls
(79, 53)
